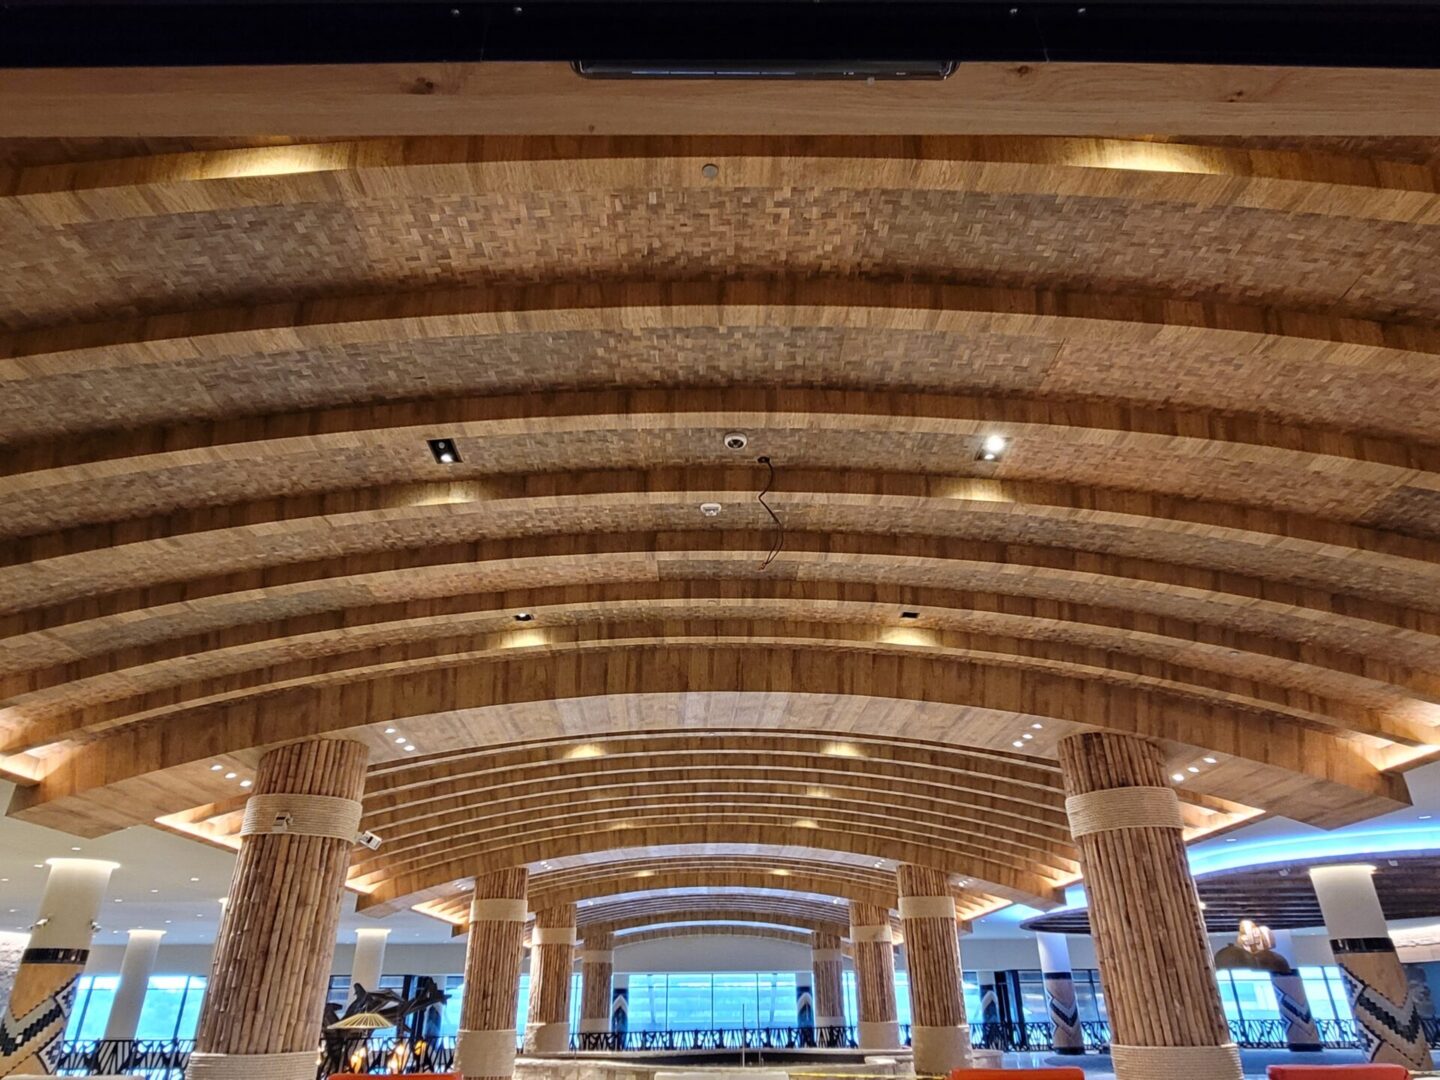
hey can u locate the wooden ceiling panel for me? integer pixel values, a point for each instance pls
(1215, 520)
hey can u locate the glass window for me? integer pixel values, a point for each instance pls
(94, 994)
(172, 1007)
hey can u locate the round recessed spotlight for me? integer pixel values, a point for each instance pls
(994, 444)
(246, 783)
(1017, 744)
(711, 509)
(736, 440)
(409, 748)
(399, 739)
(1178, 777)
(524, 616)
(1191, 769)
(231, 775)
(1209, 760)
(710, 170)
(216, 768)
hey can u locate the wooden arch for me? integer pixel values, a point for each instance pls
(1213, 521)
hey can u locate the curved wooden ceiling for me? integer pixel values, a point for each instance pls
(1215, 520)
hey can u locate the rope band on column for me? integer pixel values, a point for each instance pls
(1123, 808)
(927, 907)
(1168, 1062)
(485, 1053)
(870, 933)
(302, 815)
(497, 910)
(553, 935)
(299, 1065)
(826, 956)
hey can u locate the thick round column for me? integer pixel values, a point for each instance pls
(44, 990)
(136, 967)
(1381, 998)
(939, 1032)
(827, 961)
(368, 962)
(485, 1047)
(1059, 979)
(872, 946)
(552, 956)
(1155, 958)
(1301, 1031)
(262, 1011)
(597, 965)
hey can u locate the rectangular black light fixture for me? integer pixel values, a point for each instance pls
(799, 70)
(909, 614)
(443, 451)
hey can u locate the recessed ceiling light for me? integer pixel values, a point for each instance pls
(992, 446)
(1423, 817)
(194, 879)
(74, 849)
(39, 866)
(1037, 727)
(409, 747)
(216, 768)
(118, 900)
(1177, 777)
(1191, 769)
(1017, 744)
(1231, 840)
(399, 739)
(231, 775)
(909, 614)
(1208, 760)
(443, 451)
(246, 783)
(154, 890)
(711, 509)
(524, 616)
(1027, 736)
(389, 731)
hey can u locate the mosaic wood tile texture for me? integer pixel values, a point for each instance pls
(1215, 520)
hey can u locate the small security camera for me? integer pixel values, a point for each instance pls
(736, 440)
(368, 839)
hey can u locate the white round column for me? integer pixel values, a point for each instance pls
(59, 946)
(135, 970)
(1059, 978)
(1381, 998)
(1302, 1034)
(368, 963)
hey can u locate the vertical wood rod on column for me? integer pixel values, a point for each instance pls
(827, 962)
(271, 971)
(939, 1032)
(597, 966)
(552, 959)
(485, 1047)
(1155, 957)
(873, 949)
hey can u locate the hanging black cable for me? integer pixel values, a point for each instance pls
(779, 543)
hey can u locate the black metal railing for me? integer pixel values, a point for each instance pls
(685, 1039)
(159, 1059)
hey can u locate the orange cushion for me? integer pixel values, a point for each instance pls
(1063, 1072)
(408, 1076)
(1339, 1072)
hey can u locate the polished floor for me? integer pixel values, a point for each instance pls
(1255, 1062)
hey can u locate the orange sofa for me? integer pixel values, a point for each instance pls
(1339, 1072)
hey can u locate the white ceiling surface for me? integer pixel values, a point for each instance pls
(167, 882)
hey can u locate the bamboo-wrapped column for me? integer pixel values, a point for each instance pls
(44, 988)
(485, 1047)
(271, 972)
(1059, 975)
(552, 956)
(1381, 997)
(827, 961)
(597, 965)
(939, 1032)
(1155, 958)
(873, 948)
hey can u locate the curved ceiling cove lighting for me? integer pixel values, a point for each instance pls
(452, 446)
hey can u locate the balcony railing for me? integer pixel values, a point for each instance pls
(166, 1060)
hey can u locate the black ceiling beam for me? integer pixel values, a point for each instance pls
(684, 34)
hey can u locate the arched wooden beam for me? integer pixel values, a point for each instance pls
(1018, 883)
(1077, 319)
(191, 182)
(611, 879)
(1369, 562)
(1317, 777)
(258, 654)
(665, 933)
(962, 834)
